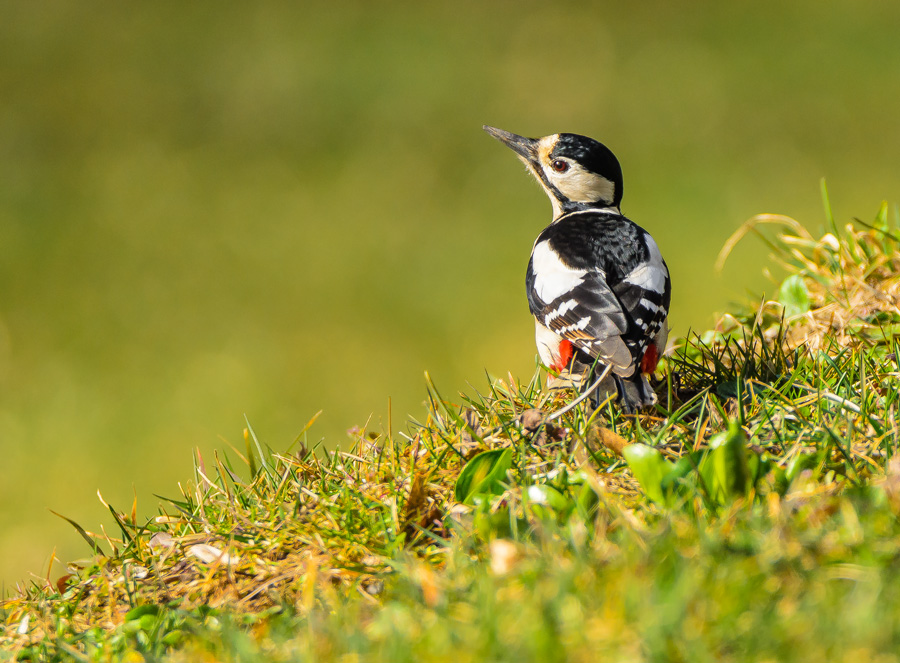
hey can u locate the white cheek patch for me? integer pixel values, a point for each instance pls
(581, 186)
(552, 278)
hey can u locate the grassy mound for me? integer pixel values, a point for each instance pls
(752, 517)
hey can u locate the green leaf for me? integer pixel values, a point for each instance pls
(147, 622)
(142, 611)
(483, 474)
(730, 472)
(586, 500)
(682, 468)
(799, 463)
(500, 523)
(758, 467)
(649, 468)
(794, 295)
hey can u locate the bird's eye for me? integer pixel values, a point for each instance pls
(559, 165)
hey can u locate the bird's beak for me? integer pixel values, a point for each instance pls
(526, 148)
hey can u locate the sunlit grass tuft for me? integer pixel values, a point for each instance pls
(752, 515)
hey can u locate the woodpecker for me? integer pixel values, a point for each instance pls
(597, 284)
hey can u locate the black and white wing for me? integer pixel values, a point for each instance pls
(612, 323)
(578, 305)
(645, 293)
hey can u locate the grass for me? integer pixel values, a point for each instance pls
(753, 516)
(196, 198)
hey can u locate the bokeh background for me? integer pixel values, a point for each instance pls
(216, 209)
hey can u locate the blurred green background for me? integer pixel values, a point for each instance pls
(212, 209)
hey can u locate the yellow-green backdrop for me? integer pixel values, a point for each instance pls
(216, 209)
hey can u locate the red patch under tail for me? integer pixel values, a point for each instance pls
(650, 359)
(566, 352)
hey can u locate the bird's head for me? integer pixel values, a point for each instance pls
(575, 171)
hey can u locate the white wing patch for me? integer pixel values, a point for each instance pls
(560, 310)
(581, 324)
(652, 274)
(567, 305)
(650, 306)
(552, 277)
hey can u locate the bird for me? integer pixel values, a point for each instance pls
(597, 284)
